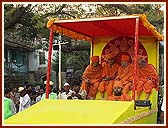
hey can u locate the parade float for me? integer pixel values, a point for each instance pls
(132, 35)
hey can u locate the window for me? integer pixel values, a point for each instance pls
(18, 61)
(42, 57)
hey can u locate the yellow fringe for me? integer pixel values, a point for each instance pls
(66, 32)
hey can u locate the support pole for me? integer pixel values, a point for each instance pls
(135, 58)
(49, 63)
(59, 43)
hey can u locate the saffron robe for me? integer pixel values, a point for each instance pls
(93, 74)
(108, 76)
(147, 79)
(125, 75)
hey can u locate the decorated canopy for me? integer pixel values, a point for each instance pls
(88, 29)
(135, 25)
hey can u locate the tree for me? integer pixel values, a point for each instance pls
(29, 21)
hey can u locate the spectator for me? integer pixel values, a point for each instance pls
(28, 88)
(25, 83)
(33, 96)
(25, 100)
(9, 106)
(52, 95)
(40, 93)
(16, 98)
(76, 92)
(66, 93)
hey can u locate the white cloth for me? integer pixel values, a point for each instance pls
(38, 98)
(25, 102)
(163, 104)
(64, 95)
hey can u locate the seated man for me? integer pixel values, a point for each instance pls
(110, 69)
(125, 73)
(117, 93)
(91, 78)
(147, 78)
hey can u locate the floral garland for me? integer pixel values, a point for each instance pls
(149, 26)
(139, 116)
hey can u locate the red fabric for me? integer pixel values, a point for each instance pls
(117, 27)
(95, 59)
(109, 56)
(125, 58)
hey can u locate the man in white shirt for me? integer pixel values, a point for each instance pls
(25, 100)
(67, 92)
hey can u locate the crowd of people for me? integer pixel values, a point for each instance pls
(18, 99)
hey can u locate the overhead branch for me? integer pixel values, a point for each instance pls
(54, 13)
(33, 7)
(16, 16)
(121, 7)
(68, 14)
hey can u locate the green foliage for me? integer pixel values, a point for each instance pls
(152, 12)
(23, 24)
(75, 60)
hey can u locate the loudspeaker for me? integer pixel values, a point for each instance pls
(142, 103)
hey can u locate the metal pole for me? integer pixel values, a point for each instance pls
(59, 43)
(49, 62)
(135, 58)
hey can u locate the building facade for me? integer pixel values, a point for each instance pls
(24, 63)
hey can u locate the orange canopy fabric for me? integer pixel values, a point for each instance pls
(87, 29)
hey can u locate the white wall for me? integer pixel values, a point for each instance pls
(34, 59)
